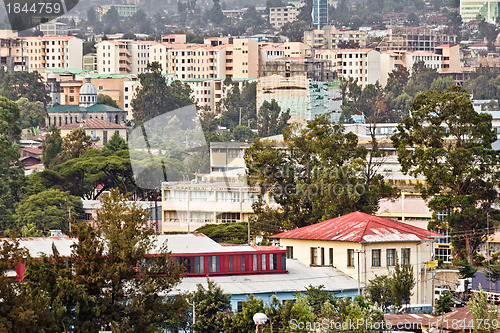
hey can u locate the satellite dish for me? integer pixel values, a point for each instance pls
(259, 318)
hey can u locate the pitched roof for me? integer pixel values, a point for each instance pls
(93, 123)
(77, 108)
(360, 228)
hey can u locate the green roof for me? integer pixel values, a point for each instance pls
(108, 76)
(66, 70)
(77, 108)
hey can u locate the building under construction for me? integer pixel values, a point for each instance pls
(415, 39)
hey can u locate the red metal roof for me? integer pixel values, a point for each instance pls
(360, 228)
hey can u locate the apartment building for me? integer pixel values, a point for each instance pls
(363, 65)
(430, 59)
(242, 59)
(450, 58)
(278, 16)
(329, 37)
(123, 56)
(52, 52)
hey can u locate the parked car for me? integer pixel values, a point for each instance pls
(416, 308)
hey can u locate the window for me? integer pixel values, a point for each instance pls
(173, 195)
(254, 262)
(405, 256)
(273, 261)
(330, 256)
(443, 254)
(350, 258)
(87, 216)
(289, 252)
(213, 264)
(226, 196)
(391, 257)
(230, 259)
(283, 262)
(242, 259)
(314, 255)
(322, 256)
(376, 254)
(199, 196)
(264, 264)
(200, 267)
(239, 307)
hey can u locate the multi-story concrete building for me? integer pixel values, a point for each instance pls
(314, 68)
(330, 37)
(471, 10)
(450, 58)
(90, 62)
(363, 65)
(430, 59)
(123, 56)
(123, 10)
(39, 53)
(415, 39)
(12, 54)
(278, 16)
(52, 29)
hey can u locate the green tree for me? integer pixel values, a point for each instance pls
(466, 269)
(48, 210)
(402, 282)
(243, 133)
(156, 97)
(11, 176)
(294, 31)
(321, 175)
(317, 296)
(75, 144)
(115, 143)
(126, 290)
(379, 291)
(421, 79)
(451, 147)
(24, 84)
(210, 304)
(32, 114)
(271, 120)
(485, 316)
(493, 272)
(301, 312)
(443, 83)
(243, 321)
(216, 15)
(443, 303)
(51, 147)
(106, 100)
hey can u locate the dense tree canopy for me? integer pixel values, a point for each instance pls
(321, 175)
(447, 142)
(23, 84)
(156, 97)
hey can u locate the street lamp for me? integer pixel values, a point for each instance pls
(259, 319)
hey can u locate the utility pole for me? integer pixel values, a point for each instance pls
(359, 270)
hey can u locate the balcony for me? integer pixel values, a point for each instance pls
(94, 138)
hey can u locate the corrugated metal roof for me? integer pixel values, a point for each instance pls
(360, 228)
(177, 244)
(298, 278)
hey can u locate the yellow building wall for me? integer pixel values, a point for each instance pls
(420, 253)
